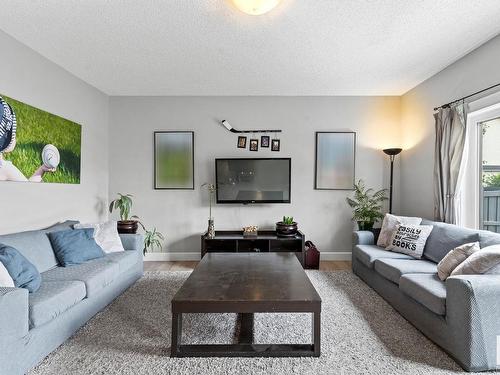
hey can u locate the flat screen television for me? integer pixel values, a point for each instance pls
(255, 180)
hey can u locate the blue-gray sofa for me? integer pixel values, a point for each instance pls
(461, 315)
(34, 324)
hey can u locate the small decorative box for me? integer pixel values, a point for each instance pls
(250, 230)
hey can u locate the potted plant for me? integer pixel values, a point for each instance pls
(287, 227)
(366, 205)
(152, 239)
(127, 223)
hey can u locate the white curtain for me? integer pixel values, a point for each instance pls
(449, 162)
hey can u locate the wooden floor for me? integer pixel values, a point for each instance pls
(188, 266)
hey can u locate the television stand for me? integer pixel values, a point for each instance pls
(266, 241)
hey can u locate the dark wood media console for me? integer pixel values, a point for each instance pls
(266, 241)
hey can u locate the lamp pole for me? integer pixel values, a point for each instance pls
(392, 152)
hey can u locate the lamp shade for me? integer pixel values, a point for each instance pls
(392, 151)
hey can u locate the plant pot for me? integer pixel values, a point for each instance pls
(127, 226)
(363, 225)
(286, 230)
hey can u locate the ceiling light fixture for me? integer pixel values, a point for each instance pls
(256, 7)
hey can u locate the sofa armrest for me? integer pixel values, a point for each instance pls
(473, 312)
(363, 237)
(132, 242)
(14, 322)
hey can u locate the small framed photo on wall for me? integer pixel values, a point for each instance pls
(275, 145)
(254, 145)
(242, 142)
(174, 160)
(335, 160)
(264, 141)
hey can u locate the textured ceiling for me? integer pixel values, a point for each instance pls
(207, 47)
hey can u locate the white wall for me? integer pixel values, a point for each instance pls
(476, 71)
(29, 77)
(323, 215)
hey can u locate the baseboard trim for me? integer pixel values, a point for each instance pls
(177, 257)
(171, 257)
(336, 255)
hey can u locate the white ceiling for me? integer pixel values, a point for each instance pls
(207, 47)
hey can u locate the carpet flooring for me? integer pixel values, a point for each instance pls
(361, 334)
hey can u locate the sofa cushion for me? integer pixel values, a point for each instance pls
(125, 259)
(487, 238)
(75, 246)
(426, 289)
(96, 274)
(35, 245)
(445, 237)
(24, 274)
(410, 239)
(393, 269)
(367, 254)
(389, 226)
(52, 299)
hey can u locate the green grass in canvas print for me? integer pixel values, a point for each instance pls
(37, 128)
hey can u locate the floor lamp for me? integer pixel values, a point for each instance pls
(392, 152)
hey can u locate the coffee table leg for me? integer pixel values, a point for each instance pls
(316, 332)
(176, 334)
(246, 328)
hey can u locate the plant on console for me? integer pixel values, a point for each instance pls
(129, 224)
(366, 205)
(287, 227)
(123, 203)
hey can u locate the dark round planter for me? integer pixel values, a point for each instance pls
(286, 230)
(363, 225)
(128, 226)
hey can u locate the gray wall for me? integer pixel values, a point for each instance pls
(29, 77)
(476, 71)
(181, 215)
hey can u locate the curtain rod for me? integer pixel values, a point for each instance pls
(466, 97)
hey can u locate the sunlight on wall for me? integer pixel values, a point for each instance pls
(383, 129)
(413, 120)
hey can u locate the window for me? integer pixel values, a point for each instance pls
(489, 208)
(480, 184)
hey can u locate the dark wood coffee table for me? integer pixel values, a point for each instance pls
(246, 283)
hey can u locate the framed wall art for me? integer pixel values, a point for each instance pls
(335, 160)
(174, 160)
(242, 142)
(254, 145)
(37, 146)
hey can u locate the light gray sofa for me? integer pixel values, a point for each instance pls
(461, 315)
(34, 324)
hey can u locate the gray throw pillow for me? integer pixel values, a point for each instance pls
(445, 237)
(480, 262)
(410, 239)
(454, 258)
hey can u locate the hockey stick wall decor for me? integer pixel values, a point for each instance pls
(233, 130)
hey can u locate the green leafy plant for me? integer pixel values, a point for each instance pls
(366, 205)
(124, 204)
(152, 239)
(287, 220)
(492, 180)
